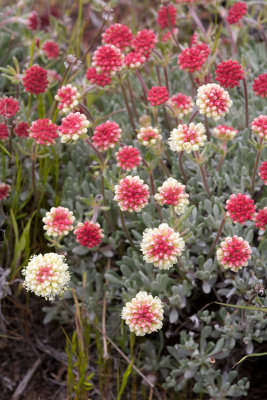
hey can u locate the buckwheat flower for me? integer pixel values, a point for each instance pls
(213, 101)
(234, 253)
(157, 95)
(259, 126)
(106, 135)
(72, 61)
(43, 131)
(128, 158)
(161, 246)
(9, 107)
(73, 127)
(132, 194)
(22, 129)
(50, 49)
(4, 190)
(163, 18)
(134, 60)
(173, 193)
(261, 218)
(148, 136)
(88, 234)
(4, 132)
(236, 12)
(181, 105)
(33, 21)
(144, 42)
(68, 98)
(229, 73)
(35, 80)
(143, 314)
(224, 132)
(118, 35)
(263, 172)
(58, 221)
(108, 58)
(240, 208)
(193, 58)
(187, 138)
(194, 39)
(47, 275)
(260, 85)
(99, 78)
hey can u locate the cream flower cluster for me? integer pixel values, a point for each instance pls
(68, 98)
(173, 193)
(46, 275)
(144, 314)
(224, 132)
(213, 101)
(149, 136)
(187, 138)
(234, 253)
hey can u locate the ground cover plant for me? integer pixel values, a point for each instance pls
(133, 199)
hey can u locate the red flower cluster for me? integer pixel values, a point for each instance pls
(44, 131)
(106, 135)
(108, 59)
(100, 79)
(263, 172)
(35, 80)
(134, 59)
(88, 234)
(164, 20)
(22, 129)
(4, 132)
(236, 12)
(33, 21)
(4, 190)
(157, 95)
(240, 208)
(119, 35)
(132, 194)
(9, 107)
(193, 58)
(144, 42)
(261, 218)
(260, 85)
(229, 73)
(128, 158)
(51, 49)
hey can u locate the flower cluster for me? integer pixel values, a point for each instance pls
(68, 98)
(33, 21)
(131, 194)
(22, 129)
(187, 138)
(35, 80)
(263, 172)
(224, 132)
(161, 246)
(157, 95)
(9, 107)
(88, 234)
(73, 127)
(173, 193)
(166, 16)
(229, 73)
(128, 158)
(50, 49)
(108, 59)
(193, 58)
(118, 35)
(259, 126)
(99, 78)
(260, 85)
(106, 135)
(236, 12)
(181, 105)
(43, 131)
(148, 136)
(144, 42)
(46, 275)
(4, 132)
(240, 208)
(213, 101)
(234, 253)
(134, 60)
(58, 221)
(4, 190)
(261, 218)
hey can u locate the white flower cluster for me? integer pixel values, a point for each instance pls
(213, 101)
(187, 138)
(173, 193)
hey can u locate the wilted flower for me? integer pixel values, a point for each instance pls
(71, 61)
(9, 107)
(187, 138)
(58, 221)
(229, 73)
(234, 253)
(173, 193)
(68, 98)
(106, 135)
(148, 136)
(43, 131)
(259, 126)
(128, 158)
(224, 132)
(260, 85)
(35, 80)
(88, 234)
(73, 127)
(132, 194)
(240, 208)
(213, 100)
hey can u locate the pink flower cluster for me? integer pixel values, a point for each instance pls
(229, 73)
(240, 208)
(128, 158)
(259, 126)
(35, 80)
(106, 135)
(131, 194)
(263, 172)
(43, 131)
(157, 95)
(166, 16)
(260, 85)
(9, 107)
(88, 234)
(236, 12)
(234, 253)
(261, 218)
(193, 58)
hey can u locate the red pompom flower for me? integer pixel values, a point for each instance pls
(259, 126)
(44, 131)
(106, 135)
(193, 58)
(4, 190)
(157, 95)
(33, 21)
(22, 129)
(108, 58)
(99, 78)
(164, 20)
(128, 158)
(88, 234)
(234, 253)
(9, 107)
(236, 12)
(51, 49)
(240, 208)
(263, 172)
(4, 132)
(119, 35)
(35, 80)
(229, 73)
(132, 194)
(260, 85)
(261, 218)
(144, 42)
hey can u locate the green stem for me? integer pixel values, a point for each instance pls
(32, 51)
(78, 33)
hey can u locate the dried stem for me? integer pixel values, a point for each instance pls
(34, 169)
(217, 236)
(150, 173)
(246, 101)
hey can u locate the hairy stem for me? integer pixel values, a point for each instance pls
(217, 236)
(203, 174)
(127, 105)
(181, 165)
(125, 230)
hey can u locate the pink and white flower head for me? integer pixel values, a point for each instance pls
(88, 234)
(143, 314)
(43, 131)
(148, 136)
(132, 194)
(240, 208)
(51, 49)
(234, 253)
(144, 42)
(213, 101)
(108, 59)
(118, 35)
(9, 107)
(128, 158)
(4, 132)
(181, 105)
(99, 78)
(68, 98)
(187, 138)
(161, 246)
(58, 221)
(260, 85)
(173, 193)
(4, 190)
(73, 127)
(263, 172)
(259, 126)
(106, 135)
(134, 60)
(261, 219)
(225, 132)
(46, 275)
(157, 95)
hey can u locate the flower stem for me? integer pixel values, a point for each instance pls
(131, 97)
(217, 236)
(144, 86)
(34, 170)
(246, 101)
(203, 174)
(127, 105)
(207, 127)
(150, 173)
(193, 116)
(181, 165)
(256, 165)
(127, 234)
